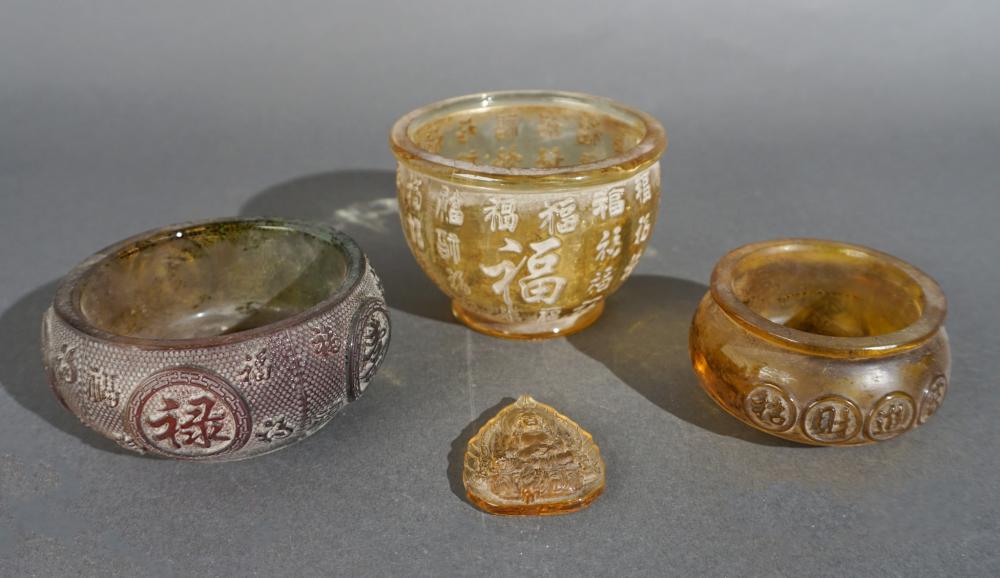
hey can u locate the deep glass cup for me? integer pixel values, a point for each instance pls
(219, 340)
(821, 342)
(528, 208)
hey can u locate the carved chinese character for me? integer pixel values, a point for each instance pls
(466, 128)
(540, 285)
(506, 271)
(274, 428)
(609, 203)
(601, 280)
(588, 129)
(633, 262)
(414, 195)
(549, 157)
(610, 245)
(66, 364)
(549, 314)
(507, 157)
(501, 214)
(770, 407)
(198, 422)
(416, 231)
(507, 126)
(643, 228)
(448, 246)
(933, 398)
(549, 127)
(559, 217)
(892, 415)
(456, 280)
(832, 419)
(324, 342)
(448, 207)
(643, 191)
(100, 386)
(256, 368)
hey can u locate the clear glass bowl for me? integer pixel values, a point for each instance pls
(528, 208)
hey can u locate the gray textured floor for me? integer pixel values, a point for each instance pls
(877, 123)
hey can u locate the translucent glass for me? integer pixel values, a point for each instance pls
(821, 342)
(528, 208)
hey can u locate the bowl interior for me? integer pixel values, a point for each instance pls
(210, 280)
(534, 131)
(838, 292)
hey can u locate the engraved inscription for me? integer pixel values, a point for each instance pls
(369, 342)
(101, 386)
(933, 398)
(324, 341)
(256, 368)
(832, 419)
(66, 364)
(274, 428)
(892, 415)
(770, 407)
(501, 214)
(559, 217)
(188, 413)
(608, 203)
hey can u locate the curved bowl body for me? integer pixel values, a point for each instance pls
(528, 208)
(220, 340)
(822, 343)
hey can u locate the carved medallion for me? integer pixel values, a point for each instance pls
(891, 416)
(770, 407)
(531, 460)
(932, 399)
(369, 342)
(832, 419)
(188, 413)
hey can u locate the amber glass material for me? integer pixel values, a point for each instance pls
(532, 460)
(528, 208)
(821, 342)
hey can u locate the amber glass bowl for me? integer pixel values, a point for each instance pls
(821, 342)
(528, 208)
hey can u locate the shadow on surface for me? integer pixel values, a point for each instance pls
(456, 457)
(642, 337)
(362, 203)
(22, 373)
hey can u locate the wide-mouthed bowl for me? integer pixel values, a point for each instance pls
(217, 340)
(822, 342)
(528, 208)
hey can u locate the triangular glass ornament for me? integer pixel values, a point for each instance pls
(532, 460)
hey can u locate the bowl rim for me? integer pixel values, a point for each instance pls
(66, 303)
(643, 154)
(931, 319)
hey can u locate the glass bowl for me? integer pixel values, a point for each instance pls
(218, 340)
(528, 208)
(821, 342)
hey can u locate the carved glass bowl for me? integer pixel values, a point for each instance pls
(528, 208)
(821, 342)
(218, 340)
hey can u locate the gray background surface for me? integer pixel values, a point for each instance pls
(877, 123)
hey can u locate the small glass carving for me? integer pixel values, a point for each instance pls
(528, 208)
(821, 342)
(532, 460)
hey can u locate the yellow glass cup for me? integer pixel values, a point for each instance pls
(821, 342)
(528, 208)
